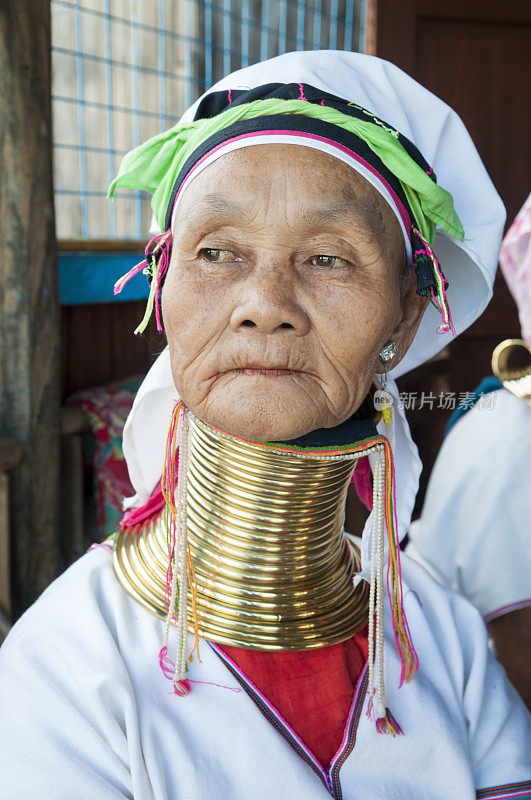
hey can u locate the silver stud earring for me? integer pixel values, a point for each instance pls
(388, 352)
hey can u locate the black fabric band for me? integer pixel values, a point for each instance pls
(288, 122)
(216, 102)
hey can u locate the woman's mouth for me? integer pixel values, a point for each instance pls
(265, 372)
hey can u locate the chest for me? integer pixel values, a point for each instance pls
(226, 740)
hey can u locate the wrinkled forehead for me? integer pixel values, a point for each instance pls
(315, 191)
(354, 187)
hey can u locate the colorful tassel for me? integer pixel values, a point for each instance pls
(430, 280)
(408, 656)
(386, 723)
(180, 687)
(384, 521)
(155, 265)
(180, 572)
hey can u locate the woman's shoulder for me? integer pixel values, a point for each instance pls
(67, 694)
(496, 423)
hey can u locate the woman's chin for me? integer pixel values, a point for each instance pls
(264, 416)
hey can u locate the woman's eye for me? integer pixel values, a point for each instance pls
(214, 255)
(328, 261)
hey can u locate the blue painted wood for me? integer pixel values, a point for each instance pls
(90, 278)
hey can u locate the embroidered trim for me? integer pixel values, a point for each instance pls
(522, 789)
(272, 715)
(351, 731)
(499, 612)
(330, 777)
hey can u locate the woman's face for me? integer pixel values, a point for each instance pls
(283, 287)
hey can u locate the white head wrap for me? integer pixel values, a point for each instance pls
(469, 266)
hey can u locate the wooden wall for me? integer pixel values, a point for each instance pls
(29, 301)
(98, 344)
(474, 54)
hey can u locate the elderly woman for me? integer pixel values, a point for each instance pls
(296, 265)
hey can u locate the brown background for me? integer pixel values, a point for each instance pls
(475, 56)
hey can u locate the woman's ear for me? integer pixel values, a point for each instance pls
(413, 307)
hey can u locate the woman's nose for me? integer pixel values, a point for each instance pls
(267, 303)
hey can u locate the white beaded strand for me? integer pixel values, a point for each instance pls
(372, 583)
(173, 591)
(380, 679)
(181, 563)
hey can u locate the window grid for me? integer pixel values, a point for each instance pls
(121, 66)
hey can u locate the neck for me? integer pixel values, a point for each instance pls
(273, 568)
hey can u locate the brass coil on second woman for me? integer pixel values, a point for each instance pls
(274, 569)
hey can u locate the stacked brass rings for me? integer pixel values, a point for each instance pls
(273, 567)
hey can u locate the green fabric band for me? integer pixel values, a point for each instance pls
(154, 165)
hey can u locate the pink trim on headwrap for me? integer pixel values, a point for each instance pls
(399, 206)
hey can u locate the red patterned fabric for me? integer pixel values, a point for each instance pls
(311, 689)
(107, 408)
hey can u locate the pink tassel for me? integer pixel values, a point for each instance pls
(146, 514)
(166, 664)
(150, 252)
(120, 283)
(164, 263)
(380, 725)
(171, 485)
(362, 480)
(370, 707)
(180, 688)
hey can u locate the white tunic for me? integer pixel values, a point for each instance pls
(86, 713)
(475, 529)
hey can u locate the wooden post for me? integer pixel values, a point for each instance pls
(10, 459)
(29, 305)
(5, 550)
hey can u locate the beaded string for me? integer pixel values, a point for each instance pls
(181, 573)
(156, 265)
(179, 565)
(182, 570)
(408, 657)
(379, 479)
(385, 722)
(372, 587)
